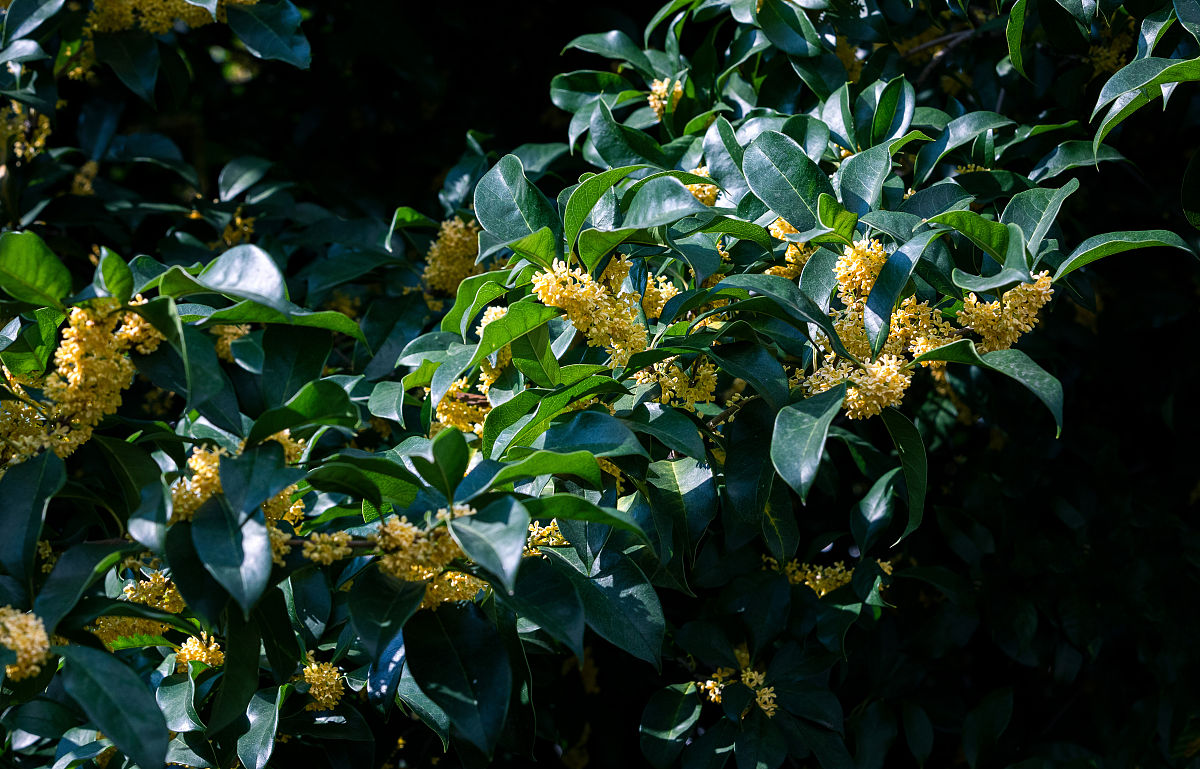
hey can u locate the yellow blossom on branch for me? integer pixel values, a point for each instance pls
(605, 318)
(1002, 322)
(325, 684)
(202, 649)
(451, 258)
(25, 635)
(705, 193)
(658, 96)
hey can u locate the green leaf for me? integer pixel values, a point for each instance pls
(1013, 33)
(271, 31)
(318, 403)
(873, 513)
(458, 658)
(117, 702)
(600, 433)
(798, 440)
(581, 464)
(235, 549)
(784, 178)
(913, 461)
(254, 748)
(983, 726)
(615, 45)
(379, 607)
(587, 195)
(894, 276)
(1072, 154)
(621, 605)
(240, 680)
(26, 489)
(30, 271)
(445, 462)
(24, 17)
(134, 57)
(546, 596)
(250, 312)
(1012, 363)
(256, 475)
(509, 206)
(619, 145)
(176, 697)
(1100, 246)
(893, 112)
(1034, 211)
(667, 720)
(789, 28)
(113, 276)
(862, 175)
(575, 508)
(660, 201)
(387, 401)
(247, 272)
(788, 296)
(1142, 76)
(240, 174)
(522, 317)
(73, 573)
(533, 357)
(494, 538)
(958, 132)
(991, 236)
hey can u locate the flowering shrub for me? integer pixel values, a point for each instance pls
(291, 485)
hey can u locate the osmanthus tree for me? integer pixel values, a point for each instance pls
(291, 486)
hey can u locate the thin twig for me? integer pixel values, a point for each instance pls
(727, 413)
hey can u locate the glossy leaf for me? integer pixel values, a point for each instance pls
(799, 437)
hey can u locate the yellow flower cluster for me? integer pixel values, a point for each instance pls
(924, 54)
(489, 372)
(658, 96)
(325, 684)
(462, 410)
(873, 386)
(658, 291)
(606, 315)
(970, 168)
(679, 386)
(326, 548)
(46, 554)
(350, 306)
(226, 336)
(413, 554)
(27, 128)
(1002, 322)
(452, 256)
(154, 16)
(753, 678)
(158, 593)
(610, 467)
(543, 536)
(1111, 52)
(857, 268)
(796, 255)
(202, 649)
(239, 230)
(705, 193)
(92, 367)
(81, 183)
(25, 635)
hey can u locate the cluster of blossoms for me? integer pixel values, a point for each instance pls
(705, 193)
(795, 256)
(1113, 49)
(915, 328)
(327, 548)
(1002, 322)
(157, 17)
(413, 554)
(27, 129)
(753, 678)
(203, 480)
(543, 536)
(226, 335)
(606, 315)
(239, 230)
(659, 290)
(201, 649)
(460, 409)
(489, 371)
(25, 635)
(658, 96)
(681, 386)
(157, 592)
(325, 684)
(92, 368)
(451, 258)
(821, 579)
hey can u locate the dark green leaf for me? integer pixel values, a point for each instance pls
(799, 437)
(271, 31)
(667, 720)
(134, 57)
(1100, 246)
(784, 178)
(254, 748)
(662, 200)
(117, 702)
(508, 206)
(240, 174)
(911, 449)
(256, 475)
(890, 284)
(27, 489)
(873, 513)
(176, 696)
(73, 573)
(235, 549)
(318, 403)
(494, 538)
(544, 595)
(24, 17)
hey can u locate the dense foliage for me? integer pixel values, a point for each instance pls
(701, 438)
